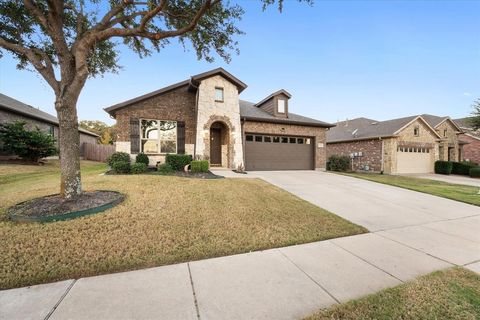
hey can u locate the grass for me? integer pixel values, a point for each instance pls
(467, 194)
(452, 294)
(164, 220)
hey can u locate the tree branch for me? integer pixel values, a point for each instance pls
(141, 32)
(35, 56)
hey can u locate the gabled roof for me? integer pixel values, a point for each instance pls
(435, 121)
(249, 111)
(18, 107)
(222, 72)
(193, 83)
(364, 129)
(148, 95)
(276, 93)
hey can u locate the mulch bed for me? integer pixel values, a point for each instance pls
(54, 205)
(197, 175)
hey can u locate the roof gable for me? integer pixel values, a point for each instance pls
(192, 83)
(421, 119)
(249, 111)
(277, 93)
(364, 129)
(221, 72)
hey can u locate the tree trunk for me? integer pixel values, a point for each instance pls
(69, 145)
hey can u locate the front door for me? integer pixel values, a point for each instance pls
(215, 146)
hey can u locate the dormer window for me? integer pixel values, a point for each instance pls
(416, 131)
(281, 106)
(218, 94)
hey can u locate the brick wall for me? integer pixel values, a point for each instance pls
(176, 105)
(371, 153)
(318, 134)
(471, 151)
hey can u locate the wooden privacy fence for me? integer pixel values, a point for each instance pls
(97, 152)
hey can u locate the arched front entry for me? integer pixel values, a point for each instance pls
(219, 144)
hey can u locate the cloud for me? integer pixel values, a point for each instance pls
(467, 94)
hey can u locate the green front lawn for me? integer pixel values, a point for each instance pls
(163, 220)
(452, 294)
(467, 194)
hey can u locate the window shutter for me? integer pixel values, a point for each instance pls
(181, 137)
(134, 135)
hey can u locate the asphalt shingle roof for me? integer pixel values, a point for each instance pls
(363, 128)
(26, 110)
(249, 111)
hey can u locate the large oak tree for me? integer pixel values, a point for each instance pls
(67, 42)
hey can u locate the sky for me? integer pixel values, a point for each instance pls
(338, 59)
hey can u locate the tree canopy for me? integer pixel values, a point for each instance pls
(475, 120)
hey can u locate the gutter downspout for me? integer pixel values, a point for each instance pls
(382, 166)
(243, 140)
(196, 119)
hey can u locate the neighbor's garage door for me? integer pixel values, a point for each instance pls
(414, 160)
(265, 152)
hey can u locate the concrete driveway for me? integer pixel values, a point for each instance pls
(456, 179)
(373, 205)
(412, 234)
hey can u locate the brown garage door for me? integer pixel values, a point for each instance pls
(265, 152)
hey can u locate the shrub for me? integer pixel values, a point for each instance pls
(28, 145)
(164, 168)
(199, 166)
(178, 161)
(142, 158)
(121, 167)
(475, 172)
(443, 167)
(462, 168)
(338, 163)
(118, 156)
(139, 167)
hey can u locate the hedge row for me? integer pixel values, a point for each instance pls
(465, 168)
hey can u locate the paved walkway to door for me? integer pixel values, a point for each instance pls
(412, 234)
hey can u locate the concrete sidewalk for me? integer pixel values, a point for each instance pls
(284, 283)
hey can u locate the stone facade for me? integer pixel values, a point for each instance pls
(471, 151)
(449, 146)
(226, 112)
(407, 138)
(371, 158)
(387, 162)
(316, 133)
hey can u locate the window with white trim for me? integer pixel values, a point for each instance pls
(158, 136)
(281, 106)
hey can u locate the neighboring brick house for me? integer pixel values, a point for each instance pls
(405, 145)
(203, 116)
(12, 110)
(471, 150)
